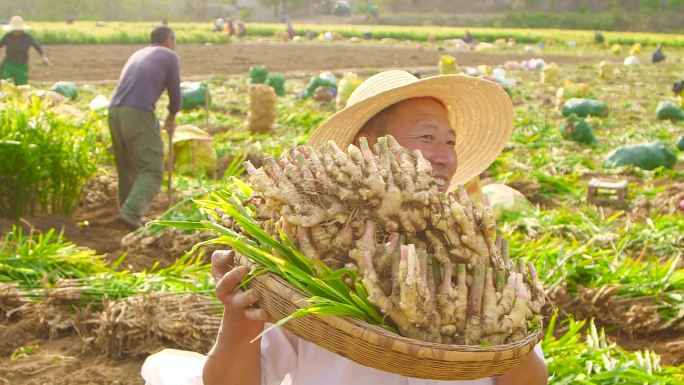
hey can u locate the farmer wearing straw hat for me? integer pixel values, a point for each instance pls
(460, 124)
(18, 41)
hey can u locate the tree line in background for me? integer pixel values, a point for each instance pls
(125, 10)
(648, 15)
(637, 15)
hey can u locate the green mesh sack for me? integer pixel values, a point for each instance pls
(258, 74)
(277, 82)
(669, 110)
(658, 56)
(578, 129)
(67, 89)
(195, 95)
(646, 156)
(324, 79)
(584, 107)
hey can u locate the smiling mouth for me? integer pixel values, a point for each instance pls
(440, 181)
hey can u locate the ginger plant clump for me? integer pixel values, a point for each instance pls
(431, 262)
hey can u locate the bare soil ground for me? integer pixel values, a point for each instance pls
(103, 232)
(60, 360)
(100, 63)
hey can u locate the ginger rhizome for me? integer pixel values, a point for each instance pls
(431, 262)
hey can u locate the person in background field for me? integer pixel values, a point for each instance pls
(17, 42)
(138, 148)
(241, 28)
(218, 25)
(290, 30)
(229, 28)
(469, 37)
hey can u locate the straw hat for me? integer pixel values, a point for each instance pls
(16, 24)
(479, 110)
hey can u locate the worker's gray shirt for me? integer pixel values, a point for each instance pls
(18, 47)
(146, 74)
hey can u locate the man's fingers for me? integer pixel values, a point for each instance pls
(243, 299)
(226, 286)
(221, 263)
(256, 315)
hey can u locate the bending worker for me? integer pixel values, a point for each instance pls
(137, 143)
(18, 41)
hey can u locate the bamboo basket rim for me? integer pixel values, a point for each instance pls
(395, 342)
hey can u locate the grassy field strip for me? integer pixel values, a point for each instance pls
(87, 32)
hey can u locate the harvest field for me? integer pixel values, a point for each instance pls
(83, 301)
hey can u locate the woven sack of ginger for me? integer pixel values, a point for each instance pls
(262, 108)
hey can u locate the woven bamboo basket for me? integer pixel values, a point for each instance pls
(377, 348)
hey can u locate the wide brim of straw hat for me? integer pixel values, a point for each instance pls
(16, 24)
(479, 110)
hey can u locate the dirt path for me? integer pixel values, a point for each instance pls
(92, 62)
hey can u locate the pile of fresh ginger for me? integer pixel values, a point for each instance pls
(431, 262)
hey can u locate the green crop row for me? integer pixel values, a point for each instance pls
(44, 159)
(579, 251)
(583, 355)
(138, 33)
(36, 265)
(32, 259)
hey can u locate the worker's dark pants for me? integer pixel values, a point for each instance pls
(16, 71)
(139, 155)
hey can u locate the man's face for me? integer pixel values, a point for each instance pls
(17, 33)
(422, 124)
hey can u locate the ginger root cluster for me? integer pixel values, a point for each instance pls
(431, 262)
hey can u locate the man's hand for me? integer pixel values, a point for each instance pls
(238, 305)
(46, 62)
(234, 359)
(221, 263)
(170, 125)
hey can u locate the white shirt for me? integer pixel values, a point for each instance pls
(289, 360)
(285, 360)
